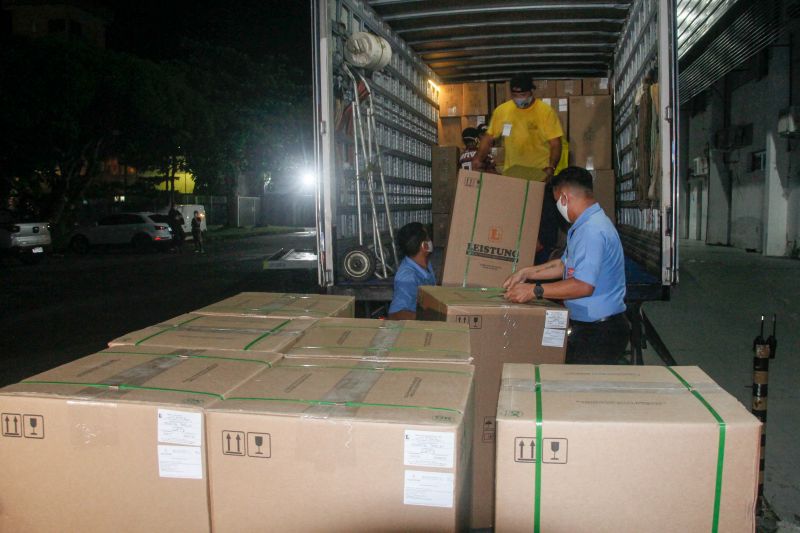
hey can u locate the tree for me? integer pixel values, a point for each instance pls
(65, 106)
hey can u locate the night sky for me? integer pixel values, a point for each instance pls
(260, 28)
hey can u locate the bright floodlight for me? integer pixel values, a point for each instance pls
(307, 179)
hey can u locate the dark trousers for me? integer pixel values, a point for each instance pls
(598, 343)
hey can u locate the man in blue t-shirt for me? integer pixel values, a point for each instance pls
(592, 272)
(415, 270)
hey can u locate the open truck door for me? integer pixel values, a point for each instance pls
(438, 42)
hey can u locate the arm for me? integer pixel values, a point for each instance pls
(568, 289)
(555, 156)
(484, 148)
(404, 299)
(551, 270)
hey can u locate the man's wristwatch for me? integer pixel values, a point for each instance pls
(538, 291)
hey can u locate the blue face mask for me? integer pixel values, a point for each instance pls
(523, 102)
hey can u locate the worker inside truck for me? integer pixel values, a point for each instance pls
(415, 270)
(532, 135)
(471, 138)
(591, 272)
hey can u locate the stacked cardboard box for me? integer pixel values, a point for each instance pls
(597, 448)
(282, 305)
(500, 332)
(115, 440)
(493, 230)
(444, 175)
(460, 106)
(342, 445)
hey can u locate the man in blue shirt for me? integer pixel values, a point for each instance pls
(592, 272)
(415, 270)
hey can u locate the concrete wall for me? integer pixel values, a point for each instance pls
(750, 208)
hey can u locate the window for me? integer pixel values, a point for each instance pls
(131, 219)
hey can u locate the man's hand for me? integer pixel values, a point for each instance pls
(477, 164)
(548, 171)
(518, 277)
(520, 294)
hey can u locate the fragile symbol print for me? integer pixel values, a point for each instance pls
(17, 425)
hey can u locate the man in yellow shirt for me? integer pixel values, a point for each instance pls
(532, 135)
(529, 128)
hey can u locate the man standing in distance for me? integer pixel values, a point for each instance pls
(532, 136)
(592, 273)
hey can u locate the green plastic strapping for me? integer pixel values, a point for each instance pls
(521, 225)
(343, 404)
(720, 448)
(176, 326)
(537, 497)
(474, 223)
(266, 334)
(121, 386)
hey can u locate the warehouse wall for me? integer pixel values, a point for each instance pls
(748, 207)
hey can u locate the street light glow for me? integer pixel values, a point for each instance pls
(307, 179)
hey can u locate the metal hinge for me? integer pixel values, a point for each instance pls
(668, 113)
(323, 127)
(668, 231)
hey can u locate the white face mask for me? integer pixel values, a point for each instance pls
(562, 208)
(428, 245)
(523, 102)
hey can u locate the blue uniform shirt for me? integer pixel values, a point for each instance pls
(594, 256)
(408, 278)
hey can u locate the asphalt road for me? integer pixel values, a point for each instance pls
(70, 306)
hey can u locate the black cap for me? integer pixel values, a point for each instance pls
(472, 134)
(522, 83)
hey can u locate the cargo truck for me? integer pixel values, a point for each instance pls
(434, 43)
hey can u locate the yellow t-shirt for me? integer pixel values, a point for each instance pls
(526, 133)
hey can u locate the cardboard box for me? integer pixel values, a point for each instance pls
(561, 107)
(472, 121)
(451, 100)
(444, 175)
(383, 340)
(502, 93)
(476, 99)
(605, 192)
(544, 89)
(628, 448)
(595, 86)
(500, 332)
(441, 229)
(249, 334)
(113, 441)
(590, 132)
(567, 88)
(450, 132)
(343, 447)
(493, 230)
(282, 305)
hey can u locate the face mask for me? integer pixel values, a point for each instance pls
(523, 102)
(428, 246)
(562, 208)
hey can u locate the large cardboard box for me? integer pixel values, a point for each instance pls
(476, 99)
(282, 305)
(544, 89)
(605, 187)
(500, 332)
(472, 121)
(451, 100)
(441, 229)
(444, 172)
(561, 107)
(502, 93)
(567, 88)
(493, 230)
(450, 132)
(338, 446)
(114, 441)
(238, 333)
(595, 86)
(590, 132)
(631, 448)
(383, 340)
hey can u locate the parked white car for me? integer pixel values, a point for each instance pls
(187, 211)
(30, 241)
(136, 229)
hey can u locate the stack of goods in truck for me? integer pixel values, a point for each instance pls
(283, 412)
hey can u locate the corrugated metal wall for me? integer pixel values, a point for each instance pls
(715, 36)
